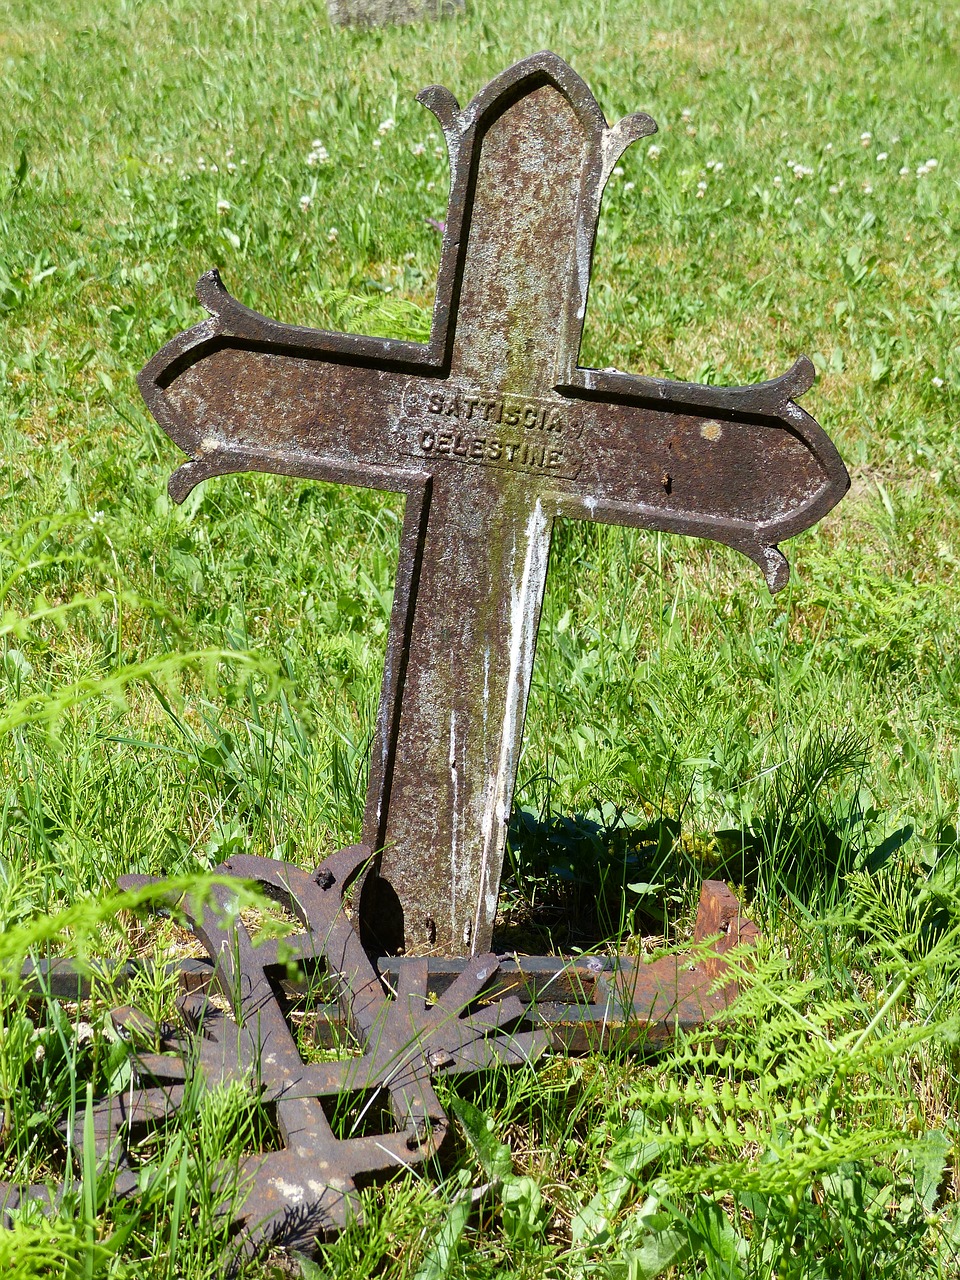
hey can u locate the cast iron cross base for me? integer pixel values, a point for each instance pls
(272, 1017)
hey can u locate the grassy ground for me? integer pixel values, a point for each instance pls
(180, 683)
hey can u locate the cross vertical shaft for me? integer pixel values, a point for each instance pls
(474, 635)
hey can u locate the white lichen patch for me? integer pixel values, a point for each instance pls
(291, 1191)
(524, 612)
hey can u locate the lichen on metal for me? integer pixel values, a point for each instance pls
(381, 13)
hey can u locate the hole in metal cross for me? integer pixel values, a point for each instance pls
(491, 430)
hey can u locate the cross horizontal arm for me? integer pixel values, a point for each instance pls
(240, 392)
(745, 466)
(741, 465)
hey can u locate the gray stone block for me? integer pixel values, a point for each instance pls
(381, 13)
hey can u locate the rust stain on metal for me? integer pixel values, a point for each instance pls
(307, 1188)
(492, 430)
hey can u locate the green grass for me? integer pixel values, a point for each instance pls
(180, 683)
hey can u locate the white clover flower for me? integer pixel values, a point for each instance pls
(618, 171)
(439, 152)
(318, 153)
(431, 185)
(305, 203)
(905, 171)
(653, 152)
(691, 131)
(932, 164)
(881, 156)
(834, 190)
(97, 518)
(778, 181)
(228, 153)
(922, 171)
(701, 190)
(828, 147)
(223, 206)
(201, 163)
(332, 234)
(419, 149)
(866, 139)
(937, 382)
(386, 126)
(802, 171)
(231, 167)
(629, 186)
(799, 200)
(686, 114)
(214, 169)
(377, 144)
(867, 189)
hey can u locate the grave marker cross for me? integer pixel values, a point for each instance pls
(492, 431)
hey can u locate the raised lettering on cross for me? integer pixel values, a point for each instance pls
(492, 431)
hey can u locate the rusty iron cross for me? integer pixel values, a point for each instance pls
(492, 430)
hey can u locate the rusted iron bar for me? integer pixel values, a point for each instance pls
(583, 1003)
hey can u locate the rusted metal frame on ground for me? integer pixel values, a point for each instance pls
(308, 1188)
(411, 1019)
(492, 430)
(584, 1003)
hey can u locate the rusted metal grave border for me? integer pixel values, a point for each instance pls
(412, 1018)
